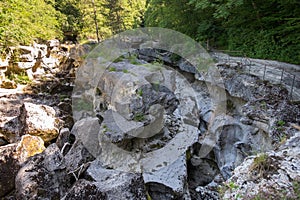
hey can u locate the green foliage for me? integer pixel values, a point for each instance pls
(260, 29)
(148, 196)
(23, 21)
(125, 71)
(119, 59)
(62, 97)
(140, 92)
(21, 78)
(263, 165)
(279, 128)
(133, 59)
(232, 185)
(70, 17)
(177, 15)
(139, 117)
(113, 16)
(230, 107)
(112, 69)
(296, 187)
(228, 186)
(281, 123)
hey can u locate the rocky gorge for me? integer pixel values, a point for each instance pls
(146, 125)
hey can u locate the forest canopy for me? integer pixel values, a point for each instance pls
(21, 21)
(260, 29)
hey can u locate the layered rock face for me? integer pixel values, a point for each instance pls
(152, 126)
(272, 175)
(212, 143)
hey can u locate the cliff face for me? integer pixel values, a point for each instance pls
(150, 125)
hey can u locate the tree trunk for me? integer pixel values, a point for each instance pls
(95, 19)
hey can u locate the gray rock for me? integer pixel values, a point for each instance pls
(10, 166)
(77, 159)
(3, 140)
(29, 146)
(43, 176)
(201, 171)
(169, 182)
(205, 194)
(63, 137)
(242, 86)
(39, 120)
(230, 141)
(115, 184)
(273, 174)
(84, 189)
(246, 121)
(186, 66)
(87, 132)
(11, 129)
(12, 157)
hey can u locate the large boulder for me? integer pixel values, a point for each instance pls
(87, 132)
(9, 168)
(43, 176)
(232, 141)
(78, 157)
(116, 184)
(169, 182)
(12, 156)
(39, 120)
(29, 146)
(84, 189)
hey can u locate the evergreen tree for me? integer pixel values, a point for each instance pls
(23, 21)
(70, 18)
(262, 29)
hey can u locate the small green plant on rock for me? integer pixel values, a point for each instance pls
(280, 126)
(230, 107)
(263, 165)
(21, 78)
(82, 104)
(263, 105)
(175, 57)
(119, 59)
(231, 186)
(105, 129)
(139, 117)
(133, 60)
(296, 188)
(281, 123)
(62, 97)
(112, 69)
(139, 92)
(125, 71)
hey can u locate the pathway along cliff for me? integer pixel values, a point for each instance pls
(44, 155)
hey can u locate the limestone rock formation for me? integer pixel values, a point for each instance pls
(43, 176)
(148, 126)
(274, 174)
(116, 184)
(39, 120)
(12, 158)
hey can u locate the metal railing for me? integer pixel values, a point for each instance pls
(264, 71)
